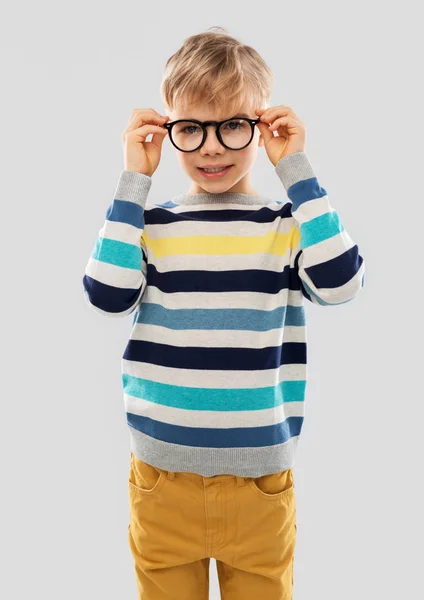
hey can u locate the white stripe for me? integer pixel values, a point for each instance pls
(121, 232)
(249, 300)
(327, 249)
(222, 262)
(311, 209)
(217, 338)
(204, 378)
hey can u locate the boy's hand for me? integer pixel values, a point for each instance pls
(290, 129)
(139, 155)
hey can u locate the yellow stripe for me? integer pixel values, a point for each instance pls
(271, 243)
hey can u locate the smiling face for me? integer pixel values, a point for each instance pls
(237, 177)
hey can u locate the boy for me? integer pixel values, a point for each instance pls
(214, 372)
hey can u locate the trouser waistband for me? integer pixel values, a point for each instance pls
(240, 480)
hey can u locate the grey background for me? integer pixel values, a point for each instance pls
(71, 74)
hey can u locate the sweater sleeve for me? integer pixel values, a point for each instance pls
(326, 259)
(116, 272)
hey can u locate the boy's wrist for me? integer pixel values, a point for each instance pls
(135, 169)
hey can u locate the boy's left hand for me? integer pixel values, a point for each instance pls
(291, 132)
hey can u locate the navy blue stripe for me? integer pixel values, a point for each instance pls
(241, 280)
(225, 359)
(161, 216)
(296, 266)
(107, 297)
(337, 271)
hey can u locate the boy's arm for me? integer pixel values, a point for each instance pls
(115, 275)
(330, 268)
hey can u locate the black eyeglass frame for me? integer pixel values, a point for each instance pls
(217, 124)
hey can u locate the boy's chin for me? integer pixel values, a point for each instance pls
(217, 189)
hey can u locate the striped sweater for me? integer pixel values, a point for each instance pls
(214, 373)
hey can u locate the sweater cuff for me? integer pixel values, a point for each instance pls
(293, 168)
(133, 187)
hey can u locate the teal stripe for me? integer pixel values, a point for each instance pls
(117, 253)
(320, 228)
(196, 398)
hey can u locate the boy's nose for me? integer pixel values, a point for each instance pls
(212, 142)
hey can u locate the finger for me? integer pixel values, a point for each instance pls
(157, 138)
(279, 123)
(155, 144)
(267, 134)
(284, 122)
(148, 114)
(276, 111)
(143, 131)
(272, 113)
(145, 115)
(138, 120)
(150, 111)
(268, 127)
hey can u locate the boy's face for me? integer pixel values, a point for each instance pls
(237, 179)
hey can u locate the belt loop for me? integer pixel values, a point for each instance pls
(241, 480)
(170, 475)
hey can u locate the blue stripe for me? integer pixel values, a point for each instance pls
(305, 190)
(205, 437)
(124, 211)
(248, 319)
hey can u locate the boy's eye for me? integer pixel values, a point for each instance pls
(235, 125)
(191, 128)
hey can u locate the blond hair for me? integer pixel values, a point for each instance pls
(216, 69)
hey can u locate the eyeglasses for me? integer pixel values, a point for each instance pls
(190, 135)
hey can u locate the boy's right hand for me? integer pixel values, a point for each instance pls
(139, 155)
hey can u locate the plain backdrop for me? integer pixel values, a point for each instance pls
(71, 75)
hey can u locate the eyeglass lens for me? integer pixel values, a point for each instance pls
(188, 135)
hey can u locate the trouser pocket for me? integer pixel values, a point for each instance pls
(145, 479)
(274, 486)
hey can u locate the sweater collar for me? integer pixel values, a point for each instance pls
(220, 198)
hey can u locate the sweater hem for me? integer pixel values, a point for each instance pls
(242, 462)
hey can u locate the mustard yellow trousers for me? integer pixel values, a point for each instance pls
(179, 520)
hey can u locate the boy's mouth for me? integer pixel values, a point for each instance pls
(212, 173)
